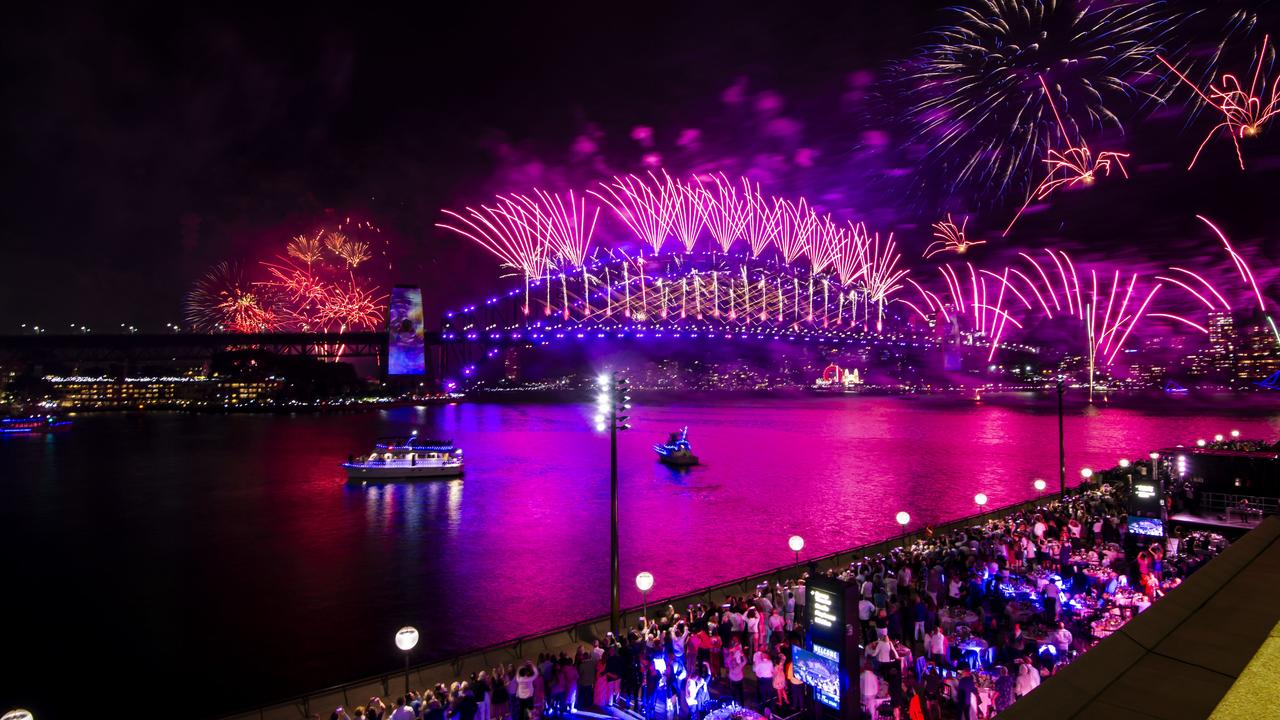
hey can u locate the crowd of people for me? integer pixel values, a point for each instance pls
(958, 624)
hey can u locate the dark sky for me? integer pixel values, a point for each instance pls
(143, 143)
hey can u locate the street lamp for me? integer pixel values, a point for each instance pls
(981, 500)
(903, 517)
(1154, 457)
(1200, 442)
(644, 583)
(796, 543)
(1235, 433)
(1218, 438)
(610, 402)
(1062, 448)
(406, 640)
(1124, 462)
(1040, 485)
(1086, 473)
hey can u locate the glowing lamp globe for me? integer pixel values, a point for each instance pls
(1200, 442)
(1218, 437)
(644, 582)
(902, 517)
(796, 543)
(603, 380)
(1040, 485)
(1235, 433)
(1086, 473)
(1154, 456)
(981, 499)
(407, 638)
(1124, 462)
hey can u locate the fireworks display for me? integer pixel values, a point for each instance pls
(1244, 112)
(315, 285)
(973, 97)
(951, 238)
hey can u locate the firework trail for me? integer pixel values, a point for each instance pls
(761, 227)
(512, 232)
(951, 238)
(1246, 274)
(688, 205)
(568, 223)
(971, 92)
(725, 212)
(849, 254)
(1243, 112)
(1074, 166)
(821, 244)
(795, 223)
(643, 207)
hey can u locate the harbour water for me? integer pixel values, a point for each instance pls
(217, 562)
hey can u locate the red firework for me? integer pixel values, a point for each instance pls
(1243, 112)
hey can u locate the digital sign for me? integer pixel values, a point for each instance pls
(824, 611)
(1150, 527)
(405, 355)
(820, 670)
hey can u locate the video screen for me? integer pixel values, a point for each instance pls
(1150, 527)
(405, 354)
(819, 670)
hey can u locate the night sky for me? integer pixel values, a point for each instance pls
(144, 144)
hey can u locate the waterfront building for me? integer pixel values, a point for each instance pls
(148, 393)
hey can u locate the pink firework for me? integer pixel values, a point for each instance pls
(795, 223)
(822, 243)
(509, 230)
(688, 203)
(951, 238)
(1076, 166)
(724, 211)
(350, 307)
(1246, 273)
(761, 227)
(223, 301)
(1243, 112)
(568, 223)
(644, 206)
(849, 255)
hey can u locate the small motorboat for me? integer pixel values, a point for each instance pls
(677, 452)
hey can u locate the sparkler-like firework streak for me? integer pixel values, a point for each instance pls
(222, 301)
(1074, 166)
(688, 203)
(761, 227)
(795, 223)
(950, 238)
(306, 249)
(1243, 112)
(510, 231)
(643, 207)
(725, 212)
(881, 276)
(569, 226)
(968, 93)
(1246, 273)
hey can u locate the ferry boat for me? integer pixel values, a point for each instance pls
(32, 424)
(677, 452)
(406, 458)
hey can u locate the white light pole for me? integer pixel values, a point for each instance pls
(644, 583)
(1154, 457)
(1086, 473)
(1040, 485)
(406, 640)
(796, 543)
(903, 517)
(981, 500)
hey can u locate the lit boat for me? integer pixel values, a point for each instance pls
(677, 451)
(406, 458)
(31, 424)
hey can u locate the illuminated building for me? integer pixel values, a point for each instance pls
(1257, 353)
(1222, 342)
(103, 393)
(835, 376)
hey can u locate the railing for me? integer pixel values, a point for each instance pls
(1248, 506)
(567, 636)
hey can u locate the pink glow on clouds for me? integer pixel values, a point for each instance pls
(642, 134)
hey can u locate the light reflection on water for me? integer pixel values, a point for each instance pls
(229, 546)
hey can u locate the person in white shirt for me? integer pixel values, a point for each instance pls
(762, 666)
(883, 652)
(402, 711)
(936, 645)
(1052, 599)
(735, 660)
(1061, 639)
(1028, 679)
(869, 685)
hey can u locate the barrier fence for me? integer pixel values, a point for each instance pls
(568, 637)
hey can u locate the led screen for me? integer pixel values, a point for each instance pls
(404, 328)
(819, 670)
